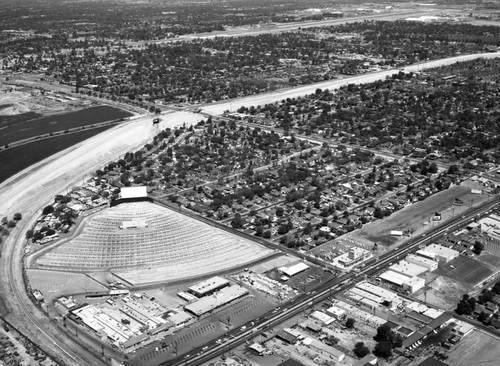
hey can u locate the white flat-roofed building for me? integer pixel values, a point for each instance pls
(186, 296)
(334, 353)
(354, 256)
(444, 254)
(135, 224)
(422, 261)
(336, 312)
(408, 269)
(133, 192)
(321, 317)
(414, 284)
(433, 313)
(222, 297)
(209, 286)
(394, 277)
(293, 270)
(426, 254)
(417, 307)
(463, 328)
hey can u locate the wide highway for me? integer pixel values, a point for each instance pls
(299, 304)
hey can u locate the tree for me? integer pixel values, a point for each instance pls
(11, 224)
(37, 236)
(383, 349)
(361, 350)
(383, 333)
(350, 323)
(17, 216)
(478, 247)
(29, 234)
(47, 210)
(279, 211)
(237, 221)
(266, 234)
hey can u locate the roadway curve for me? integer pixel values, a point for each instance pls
(36, 186)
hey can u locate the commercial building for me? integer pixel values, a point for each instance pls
(422, 261)
(408, 269)
(388, 298)
(462, 328)
(354, 256)
(208, 303)
(293, 270)
(443, 254)
(209, 286)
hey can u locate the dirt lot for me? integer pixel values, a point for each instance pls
(418, 215)
(443, 292)
(477, 348)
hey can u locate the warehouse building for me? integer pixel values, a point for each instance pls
(443, 254)
(208, 303)
(209, 286)
(422, 261)
(321, 317)
(293, 270)
(394, 278)
(414, 284)
(336, 312)
(408, 269)
(426, 254)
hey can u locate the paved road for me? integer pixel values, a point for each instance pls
(293, 307)
(36, 187)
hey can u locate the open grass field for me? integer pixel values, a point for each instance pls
(21, 157)
(19, 128)
(465, 269)
(171, 247)
(417, 216)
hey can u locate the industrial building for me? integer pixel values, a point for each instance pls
(435, 324)
(333, 353)
(336, 312)
(426, 254)
(321, 318)
(209, 286)
(411, 284)
(414, 284)
(208, 303)
(388, 298)
(408, 269)
(394, 278)
(293, 270)
(422, 261)
(443, 254)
